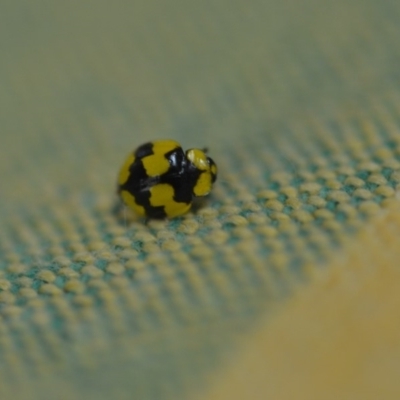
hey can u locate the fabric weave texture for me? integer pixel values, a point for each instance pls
(299, 104)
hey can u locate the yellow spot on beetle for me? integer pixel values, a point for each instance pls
(156, 163)
(129, 200)
(198, 158)
(163, 195)
(124, 172)
(203, 185)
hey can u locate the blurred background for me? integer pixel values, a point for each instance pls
(299, 104)
(84, 82)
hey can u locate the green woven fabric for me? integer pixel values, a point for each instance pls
(298, 102)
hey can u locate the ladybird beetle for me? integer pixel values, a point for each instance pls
(160, 180)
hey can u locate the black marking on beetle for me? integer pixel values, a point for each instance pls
(144, 150)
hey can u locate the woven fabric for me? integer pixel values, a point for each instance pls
(299, 105)
(335, 339)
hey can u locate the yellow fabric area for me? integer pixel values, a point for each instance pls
(337, 339)
(156, 164)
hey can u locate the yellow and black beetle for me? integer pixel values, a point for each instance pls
(160, 180)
